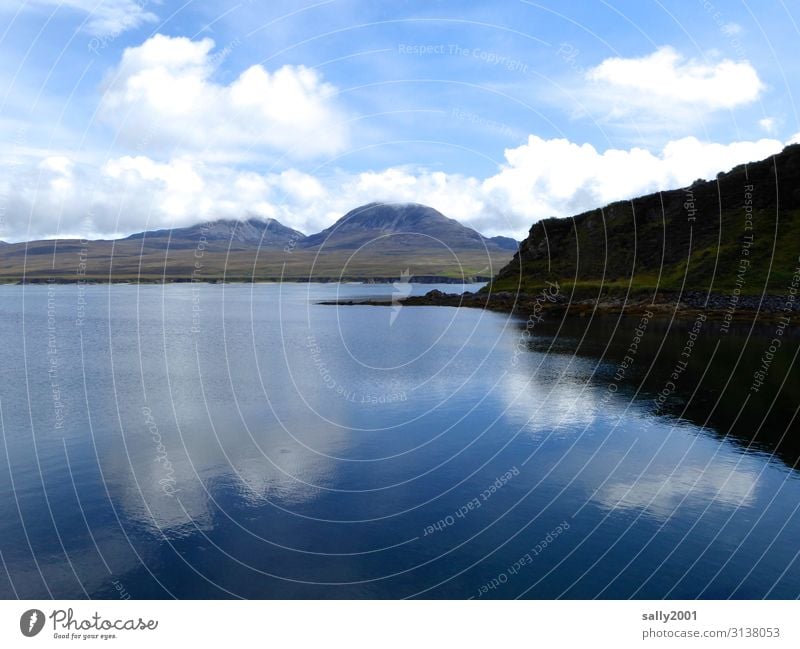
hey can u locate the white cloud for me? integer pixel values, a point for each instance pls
(191, 135)
(452, 194)
(162, 97)
(558, 177)
(58, 164)
(768, 124)
(58, 169)
(106, 17)
(539, 179)
(667, 84)
(732, 29)
(178, 183)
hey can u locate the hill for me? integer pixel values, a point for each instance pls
(729, 240)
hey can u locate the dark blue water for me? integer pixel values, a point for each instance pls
(242, 441)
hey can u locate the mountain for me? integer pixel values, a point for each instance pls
(398, 226)
(505, 243)
(720, 244)
(377, 242)
(266, 234)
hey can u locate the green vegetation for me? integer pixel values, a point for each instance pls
(741, 231)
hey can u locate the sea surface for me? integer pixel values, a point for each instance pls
(226, 441)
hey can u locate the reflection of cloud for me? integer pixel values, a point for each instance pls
(553, 395)
(662, 493)
(244, 447)
(145, 500)
(274, 468)
(550, 395)
(277, 469)
(261, 480)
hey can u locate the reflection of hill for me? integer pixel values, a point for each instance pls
(715, 388)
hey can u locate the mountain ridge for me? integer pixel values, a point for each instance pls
(390, 240)
(266, 233)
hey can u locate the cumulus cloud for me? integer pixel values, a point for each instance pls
(132, 193)
(191, 134)
(668, 84)
(58, 169)
(541, 178)
(558, 177)
(162, 98)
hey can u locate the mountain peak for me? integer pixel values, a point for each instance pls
(390, 216)
(408, 225)
(266, 233)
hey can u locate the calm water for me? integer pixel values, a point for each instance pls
(242, 441)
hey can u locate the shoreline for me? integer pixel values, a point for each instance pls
(419, 279)
(716, 306)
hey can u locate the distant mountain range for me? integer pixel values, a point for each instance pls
(374, 242)
(381, 226)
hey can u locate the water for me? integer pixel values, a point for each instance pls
(241, 441)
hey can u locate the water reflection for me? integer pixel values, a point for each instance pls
(223, 462)
(713, 388)
(661, 493)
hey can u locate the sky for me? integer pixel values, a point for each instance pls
(118, 116)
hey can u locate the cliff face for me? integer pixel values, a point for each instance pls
(738, 232)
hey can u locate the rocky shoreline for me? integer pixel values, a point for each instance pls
(549, 302)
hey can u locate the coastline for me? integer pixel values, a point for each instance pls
(716, 306)
(418, 279)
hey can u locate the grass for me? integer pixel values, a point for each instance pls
(128, 262)
(581, 259)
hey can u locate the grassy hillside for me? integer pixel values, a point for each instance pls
(741, 230)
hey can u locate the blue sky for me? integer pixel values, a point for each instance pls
(122, 115)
